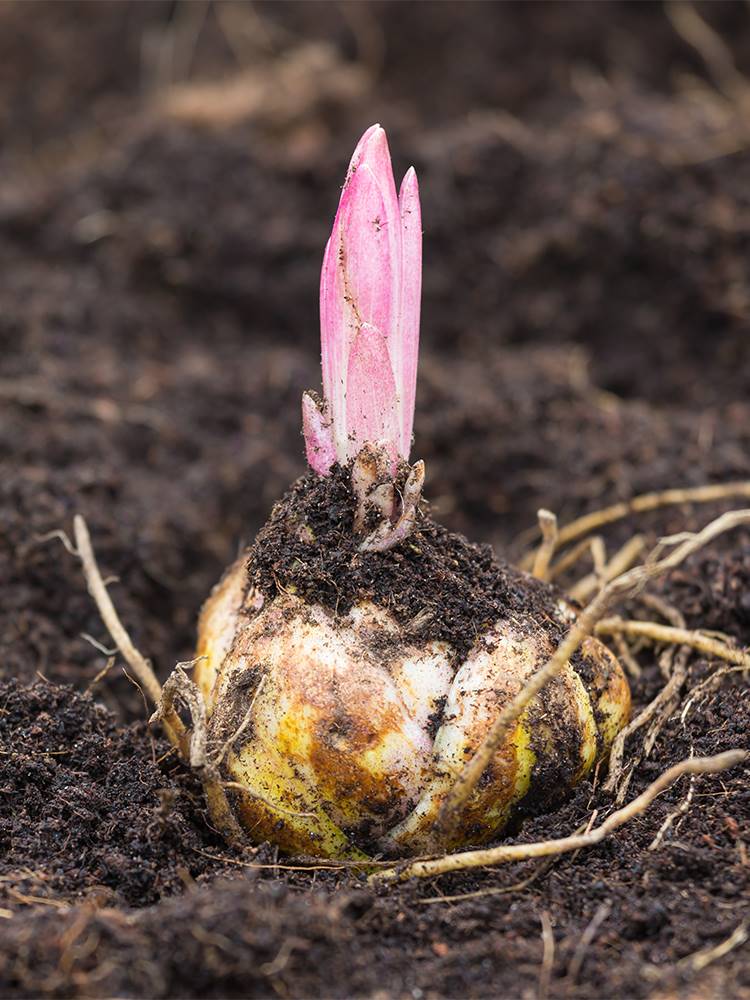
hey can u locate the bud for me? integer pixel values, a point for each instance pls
(370, 289)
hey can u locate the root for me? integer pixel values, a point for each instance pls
(192, 745)
(710, 681)
(621, 561)
(587, 545)
(548, 956)
(680, 811)
(659, 709)
(693, 638)
(587, 939)
(501, 890)
(386, 535)
(98, 590)
(640, 504)
(664, 697)
(548, 528)
(97, 587)
(700, 959)
(627, 585)
(506, 853)
(624, 655)
(712, 49)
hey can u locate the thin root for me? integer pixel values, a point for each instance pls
(693, 638)
(640, 504)
(587, 939)
(574, 555)
(713, 679)
(192, 744)
(700, 959)
(136, 661)
(506, 853)
(548, 528)
(659, 709)
(621, 561)
(680, 811)
(548, 956)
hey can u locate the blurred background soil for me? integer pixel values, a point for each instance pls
(168, 177)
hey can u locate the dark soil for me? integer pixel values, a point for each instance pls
(586, 197)
(436, 584)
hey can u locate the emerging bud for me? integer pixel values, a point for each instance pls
(370, 288)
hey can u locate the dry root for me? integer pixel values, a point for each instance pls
(506, 853)
(97, 587)
(179, 688)
(548, 528)
(694, 638)
(645, 502)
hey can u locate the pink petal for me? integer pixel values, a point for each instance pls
(337, 322)
(318, 437)
(360, 149)
(371, 401)
(360, 276)
(411, 293)
(367, 233)
(370, 289)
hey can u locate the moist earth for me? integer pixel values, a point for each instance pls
(584, 339)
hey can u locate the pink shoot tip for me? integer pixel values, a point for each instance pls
(370, 289)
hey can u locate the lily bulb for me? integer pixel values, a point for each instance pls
(353, 659)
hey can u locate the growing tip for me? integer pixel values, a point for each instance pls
(369, 311)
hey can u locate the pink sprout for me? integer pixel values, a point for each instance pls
(370, 289)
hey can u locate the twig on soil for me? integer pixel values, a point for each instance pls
(548, 528)
(640, 504)
(627, 585)
(548, 956)
(506, 853)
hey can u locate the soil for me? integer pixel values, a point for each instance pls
(586, 199)
(436, 584)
